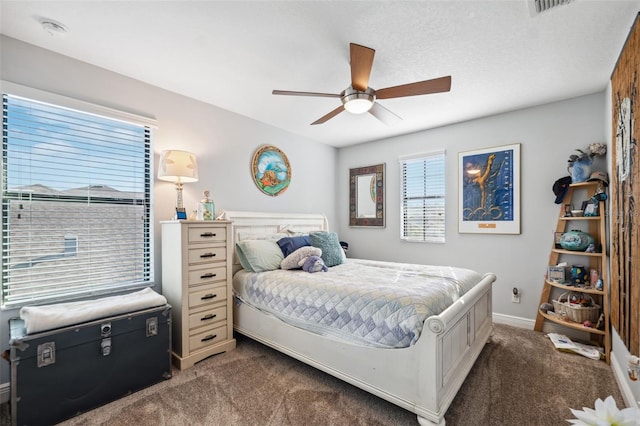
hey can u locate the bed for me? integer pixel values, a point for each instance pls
(423, 377)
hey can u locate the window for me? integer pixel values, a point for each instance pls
(76, 203)
(423, 191)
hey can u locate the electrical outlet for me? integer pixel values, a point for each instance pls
(515, 298)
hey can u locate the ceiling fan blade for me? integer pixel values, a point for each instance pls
(383, 114)
(437, 85)
(361, 63)
(290, 93)
(329, 116)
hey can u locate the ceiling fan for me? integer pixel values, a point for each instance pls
(360, 98)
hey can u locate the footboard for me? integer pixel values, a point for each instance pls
(458, 336)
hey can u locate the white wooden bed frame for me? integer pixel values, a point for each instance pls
(423, 378)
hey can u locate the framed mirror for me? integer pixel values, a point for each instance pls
(366, 196)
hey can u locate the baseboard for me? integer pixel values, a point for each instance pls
(513, 321)
(623, 384)
(548, 326)
(5, 392)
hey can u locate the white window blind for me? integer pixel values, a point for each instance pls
(423, 197)
(76, 204)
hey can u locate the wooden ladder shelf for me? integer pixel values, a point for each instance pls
(596, 227)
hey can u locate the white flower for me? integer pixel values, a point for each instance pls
(606, 414)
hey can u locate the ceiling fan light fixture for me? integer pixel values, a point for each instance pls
(357, 102)
(359, 98)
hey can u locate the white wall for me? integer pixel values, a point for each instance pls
(224, 142)
(548, 134)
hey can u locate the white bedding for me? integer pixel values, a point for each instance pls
(379, 304)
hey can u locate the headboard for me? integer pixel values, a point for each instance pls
(271, 223)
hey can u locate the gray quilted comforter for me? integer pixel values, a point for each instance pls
(380, 304)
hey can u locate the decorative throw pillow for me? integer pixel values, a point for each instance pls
(330, 245)
(259, 255)
(290, 244)
(291, 261)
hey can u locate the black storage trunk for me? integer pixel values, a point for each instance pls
(57, 374)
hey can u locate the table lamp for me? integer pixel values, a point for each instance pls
(179, 167)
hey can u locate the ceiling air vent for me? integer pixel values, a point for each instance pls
(539, 6)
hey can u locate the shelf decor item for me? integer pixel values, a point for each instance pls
(579, 275)
(591, 208)
(584, 309)
(206, 208)
(576, 240)
(579, 165)
(557, 274)
(580, 170)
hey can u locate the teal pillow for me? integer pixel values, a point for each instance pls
(259, 255)
(330, 245)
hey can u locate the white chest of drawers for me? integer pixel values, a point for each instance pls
(196, 280)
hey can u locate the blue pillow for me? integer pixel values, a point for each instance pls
(328, 242)
(290, 244)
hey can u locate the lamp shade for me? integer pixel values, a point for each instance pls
(178, 166)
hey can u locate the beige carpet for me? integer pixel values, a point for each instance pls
(519, 379)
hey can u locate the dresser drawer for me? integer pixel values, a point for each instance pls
(208, 337)
(208, 317)
(206, 234)
(207, 254)
(207, 294)
(205, 275)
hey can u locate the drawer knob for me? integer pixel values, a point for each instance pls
(208, 296)
(207, 235)
(205, 255)
(208, 317)
(209, 337)
(209, 275)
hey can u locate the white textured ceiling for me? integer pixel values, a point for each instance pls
(232, 54)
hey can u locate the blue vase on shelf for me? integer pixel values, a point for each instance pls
(580, 170)
(579, 275)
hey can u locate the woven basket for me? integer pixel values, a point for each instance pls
(574, 311)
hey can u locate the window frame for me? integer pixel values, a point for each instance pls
(148, 125)
(440, 237)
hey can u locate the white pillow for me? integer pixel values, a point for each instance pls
(259, 255)
(242, 236)
(291, 261)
